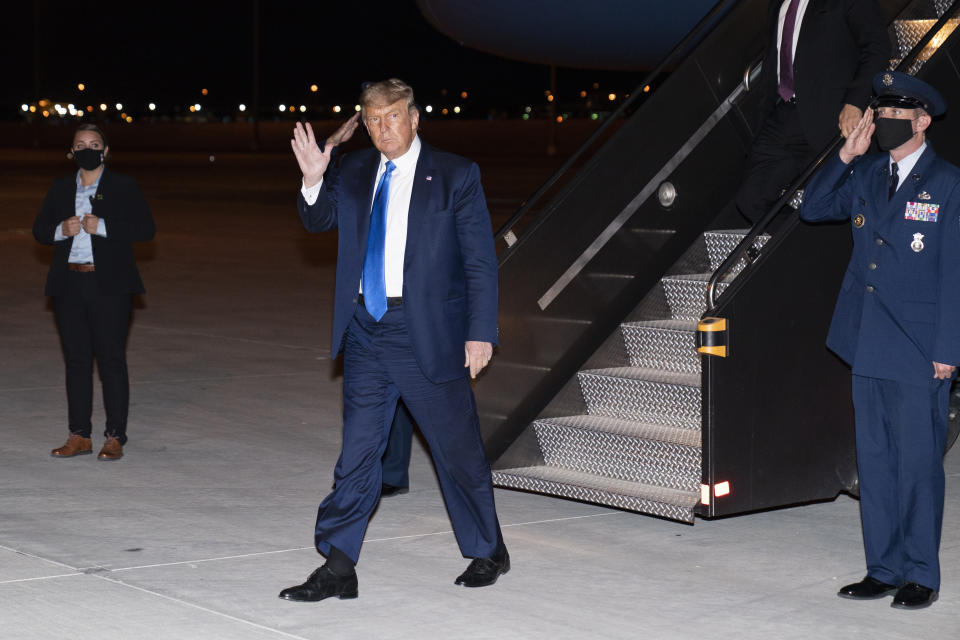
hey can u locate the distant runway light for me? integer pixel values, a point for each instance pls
(611, 97)
(129, 119)
(90, 108)
(336, 108)
(197, 106)
(583, 94)
(204, 92)
(456, 109)
(213, 158)
(559, 118)
(356, 107)
(71, 107)
(103, 107)
(119, 106)
(526, 116)
(445, 111)
(463, 94)
(314, 88)
(25, 107)
(243, 107)
(528, 109)
(429, 108)
(292, 108)
(594, 116)
(646, 89)
(550, 98)
(81, 86)
(283, 107)
(152, 106)
(303, 108)
(193, 108)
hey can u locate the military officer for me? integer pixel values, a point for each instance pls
(895, 324)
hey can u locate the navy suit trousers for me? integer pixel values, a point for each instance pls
(901, 434)
(378, 368)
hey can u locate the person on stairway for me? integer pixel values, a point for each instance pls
(895, 324)
(815, 81)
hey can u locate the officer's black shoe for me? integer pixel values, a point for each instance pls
(914, 596)
(867, 589)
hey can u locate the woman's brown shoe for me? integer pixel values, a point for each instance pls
(76, 446)
(112, 449)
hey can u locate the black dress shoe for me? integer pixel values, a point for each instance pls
(390, 490)
(482, 572)
(914, 596)
(867, 589)
(323, 583)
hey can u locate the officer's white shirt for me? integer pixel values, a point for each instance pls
(905, 166)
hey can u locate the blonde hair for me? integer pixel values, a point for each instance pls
(387, 92)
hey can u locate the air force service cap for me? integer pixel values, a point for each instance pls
(895, 89)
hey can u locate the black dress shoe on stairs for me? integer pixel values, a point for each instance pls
(482, 572)
(914, 596)
(867, 589)
(323, 583)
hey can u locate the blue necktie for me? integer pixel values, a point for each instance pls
(374, 280)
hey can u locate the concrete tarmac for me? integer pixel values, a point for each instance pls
(234, 432)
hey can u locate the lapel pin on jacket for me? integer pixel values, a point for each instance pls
(923, 195)
(429, 178)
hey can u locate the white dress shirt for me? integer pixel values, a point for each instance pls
(796, 30)
(906, 165)
(398, 210)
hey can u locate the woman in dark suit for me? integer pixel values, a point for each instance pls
(92, 218)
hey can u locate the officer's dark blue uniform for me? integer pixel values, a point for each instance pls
(897, 313)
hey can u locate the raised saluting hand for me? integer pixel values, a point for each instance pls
(314, 162)
(858, 142)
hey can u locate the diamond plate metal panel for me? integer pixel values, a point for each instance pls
(674, 505)
(722, 242)
(620, 455)
(662, 344)
(687, 294)
(635, 394)
(907, 33)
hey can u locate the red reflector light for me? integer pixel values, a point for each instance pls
(721, 489)
(705, 494)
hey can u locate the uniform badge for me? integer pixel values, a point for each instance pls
(887, 80)
(858, 220)
(917, 244)
(921, 211)
(923, 195)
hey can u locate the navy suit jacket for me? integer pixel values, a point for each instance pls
(127, 218)
(841, 46)
(899, 305)
(449, 266)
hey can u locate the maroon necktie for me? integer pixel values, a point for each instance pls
(785, 89)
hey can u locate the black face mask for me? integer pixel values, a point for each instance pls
(892, 132)
(88, 159)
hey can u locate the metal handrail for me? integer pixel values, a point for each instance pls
(677, 50)
(788, 195)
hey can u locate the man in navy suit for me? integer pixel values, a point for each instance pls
(415, 310)
(895, 324)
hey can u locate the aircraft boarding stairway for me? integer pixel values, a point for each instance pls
(598, 393)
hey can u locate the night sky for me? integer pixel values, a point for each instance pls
(136, 53)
